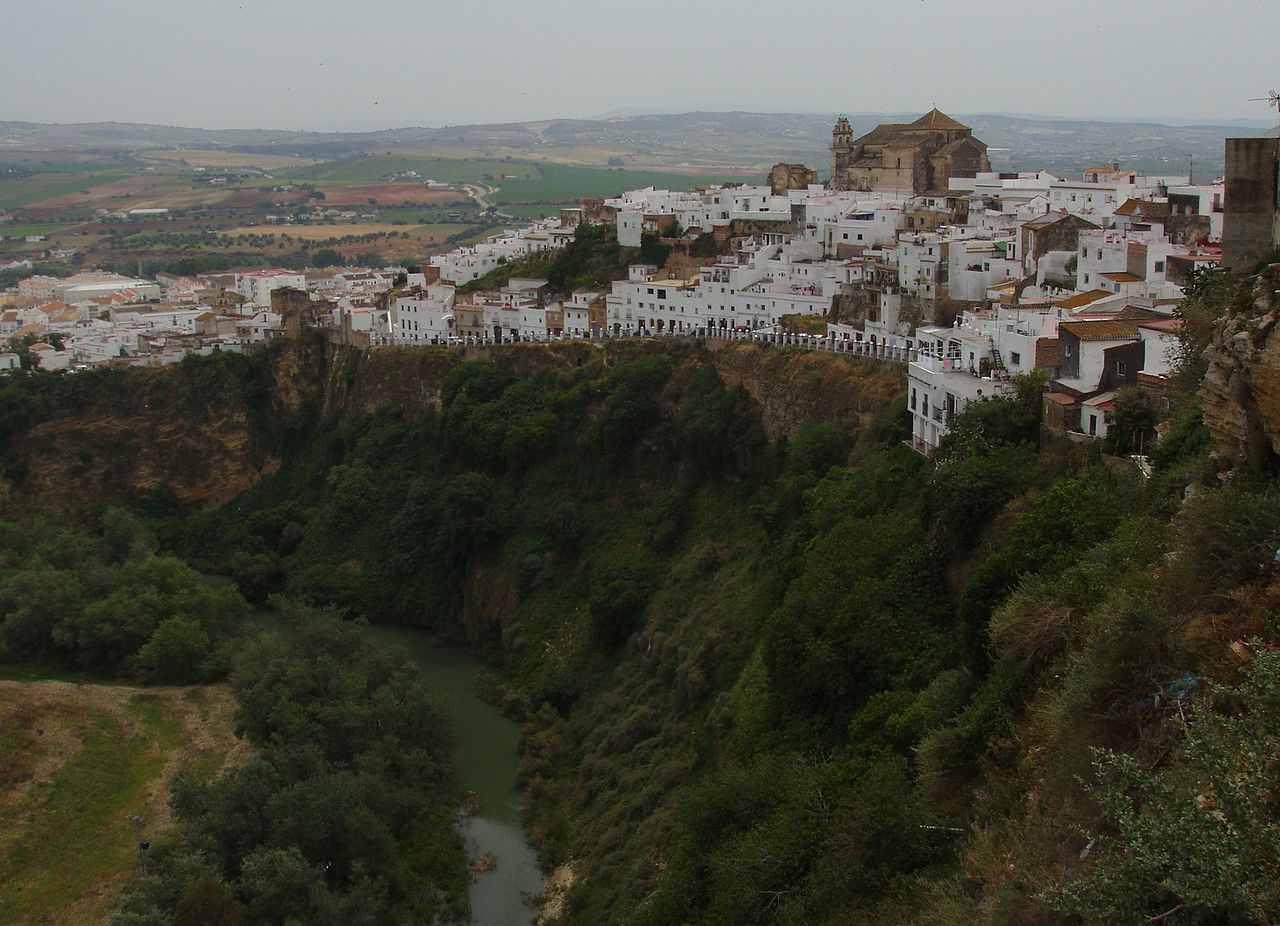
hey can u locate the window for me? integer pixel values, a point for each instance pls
(1016, 359)
(1122, 368)
(1093, 425)
(1066, 348)
(913, 396)
(1159, 266)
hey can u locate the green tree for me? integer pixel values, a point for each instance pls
(1198, 840)
(620, 592)
(328, 257)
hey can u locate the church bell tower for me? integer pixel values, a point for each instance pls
(841, 149)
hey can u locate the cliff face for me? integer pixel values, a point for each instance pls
(793, 387)
(205, 460)
(198, 430)
(1241, 390)
(203, 431)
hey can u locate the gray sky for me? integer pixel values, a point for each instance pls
(346, 64)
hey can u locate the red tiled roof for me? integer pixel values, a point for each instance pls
(937, 121)
(1080, 300)
(1108, 330)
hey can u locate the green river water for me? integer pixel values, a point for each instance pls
(484, 756)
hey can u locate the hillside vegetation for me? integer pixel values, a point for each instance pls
(774, 666)
(75, 761)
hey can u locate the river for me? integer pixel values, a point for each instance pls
(484, 756)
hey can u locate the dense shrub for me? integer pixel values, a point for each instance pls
(619, 593)
(107, 604)
(345, 809)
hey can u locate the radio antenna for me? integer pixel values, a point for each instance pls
(1271, 99)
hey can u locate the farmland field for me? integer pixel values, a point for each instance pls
(368, 169)
(531, 211)
(123, 192)
(386, 194)
(27, 190)
(75, 761)
(196, 157)
(21, 231)
(558, 183)
(424, 233)
(184, 199)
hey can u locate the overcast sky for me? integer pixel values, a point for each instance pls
(341, 64)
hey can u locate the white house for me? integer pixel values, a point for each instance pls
(425, 316)
(256, 286)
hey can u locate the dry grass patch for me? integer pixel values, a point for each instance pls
(112, 193)
(196, 157)
(75, 761)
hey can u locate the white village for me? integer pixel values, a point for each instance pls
(914, 251)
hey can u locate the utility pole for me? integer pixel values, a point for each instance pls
(143, 846)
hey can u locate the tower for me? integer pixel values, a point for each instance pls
(841, 149)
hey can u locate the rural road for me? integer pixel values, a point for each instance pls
(478, 193)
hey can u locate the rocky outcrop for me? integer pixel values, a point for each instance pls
(1240, 393)
(793, 387)
(786, 177)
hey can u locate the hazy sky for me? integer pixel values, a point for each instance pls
(330, 64)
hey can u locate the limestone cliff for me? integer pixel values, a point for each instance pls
(794, 387)
(198, 430)
(1240, 392)
(207, 431)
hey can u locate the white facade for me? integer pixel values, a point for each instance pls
(425, 317)
(256, 286)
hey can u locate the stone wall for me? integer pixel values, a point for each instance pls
(1251, 227)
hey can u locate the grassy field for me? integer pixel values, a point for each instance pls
(27, 190)
(518, 181)
(388, 194)
(196, 157)
(75, 761)
(369, 169)
(185, 198)
(21, 231)
(531, 211)
(424, 215)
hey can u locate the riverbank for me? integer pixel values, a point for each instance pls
(485, 760)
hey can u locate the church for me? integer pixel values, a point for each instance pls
(916, 157)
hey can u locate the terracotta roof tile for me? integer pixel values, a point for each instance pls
(937, 121)
(1109, 330)
(1079, 300)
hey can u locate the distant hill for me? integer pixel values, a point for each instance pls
(697, 140)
